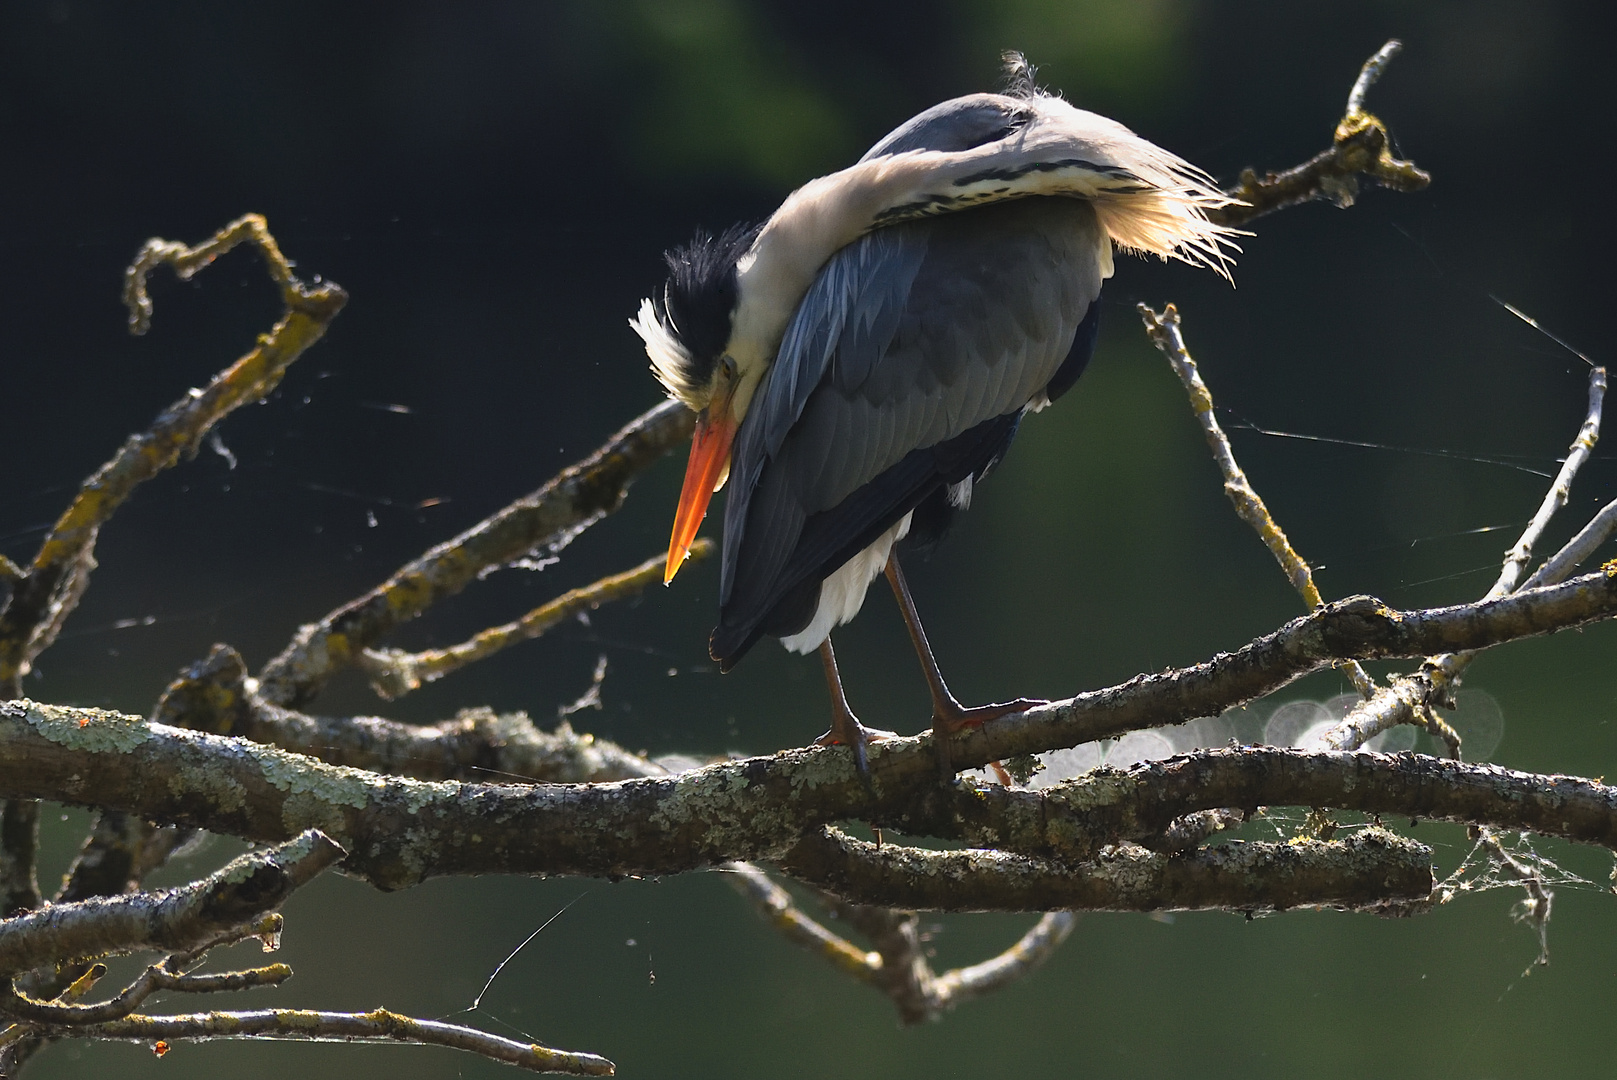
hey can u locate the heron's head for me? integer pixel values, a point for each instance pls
(687, 331)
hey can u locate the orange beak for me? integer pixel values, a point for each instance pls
(710, 462)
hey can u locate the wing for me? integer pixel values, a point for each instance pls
(917, 347)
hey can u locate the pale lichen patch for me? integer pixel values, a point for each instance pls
(220, 790)
(96, 731)
(340, 785)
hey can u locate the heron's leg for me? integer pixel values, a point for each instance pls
(845, 726)
(948, 715)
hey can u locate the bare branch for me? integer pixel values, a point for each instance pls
(1077, 818)
(223, 906)
(579, 496)
(1517, 558)
(377, 1026)
(1163, 329)
(1360, 147)
(42, 599)
(1030, 951)
(394, 673)
(1577, 549)
(1364, 871)
(1190, 831)
(896, 965)
(156, 977)
(1409, 700)
(1371, 72)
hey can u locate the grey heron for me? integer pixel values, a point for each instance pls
(861, 359)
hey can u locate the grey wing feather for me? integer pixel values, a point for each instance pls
(850, 314)
(958, 124)
(909, 337)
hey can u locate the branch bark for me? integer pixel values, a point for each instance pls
(1364, 872)
(400, 832)
(1361, 147)
(222, 906)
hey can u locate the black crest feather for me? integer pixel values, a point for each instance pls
(701, 293)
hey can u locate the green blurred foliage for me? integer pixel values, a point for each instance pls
(722, 97)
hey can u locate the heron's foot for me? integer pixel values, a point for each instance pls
(949, 716)
(846, 730)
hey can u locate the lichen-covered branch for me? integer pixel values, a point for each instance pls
(49, 589)
(1365, 871)
(224, 905)
(377, 1026)
(574, 499)
(1077, 818)
(1361, 147)
(478, 744)
(400, 831)
(1356, 628)
(1164, 330)
(394, 673)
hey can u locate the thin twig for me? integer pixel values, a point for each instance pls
(394, 673)
(777, 906)
(377, 1026)
(1583, 445)
(575, 499)
(1577, 549)
(1031, 950)
(1164, 331)
(1368, 75)
(1410, 699)
(156, 977)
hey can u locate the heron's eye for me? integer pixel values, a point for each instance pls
(727, 367)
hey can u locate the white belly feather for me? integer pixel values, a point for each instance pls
(843, 593)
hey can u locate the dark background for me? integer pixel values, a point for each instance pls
(494, 183)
